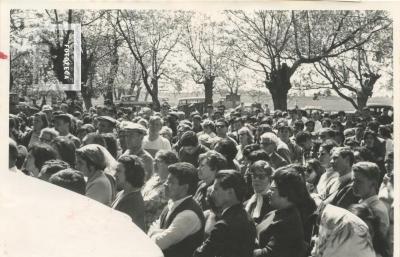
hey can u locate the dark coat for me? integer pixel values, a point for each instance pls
(276, 161)
(281, 234)
(133, 205)
(233, 235)
(265, 208)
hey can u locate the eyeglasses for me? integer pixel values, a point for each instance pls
(267, 143)
(258, 176)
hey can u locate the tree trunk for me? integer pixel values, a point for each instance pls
(154, 96)
(208, 90)
(366, 90)
(278, 84)
(113, 73)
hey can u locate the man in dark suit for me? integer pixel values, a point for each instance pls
(180, 228)
(234, 233)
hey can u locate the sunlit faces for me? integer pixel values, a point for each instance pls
(205, 173)
(155, 125)
(221, 129)
(362, 186)
(260, 180)
(284, 134)
(268, 145)
(338, 163)
(324, 157)
(173, 190)
(130, 139)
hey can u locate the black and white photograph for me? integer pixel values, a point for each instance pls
(206, 130)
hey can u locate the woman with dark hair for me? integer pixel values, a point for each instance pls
(39, 122)
(38, 154)
(313, 173)
(91, 160)
(65, 148)
(281, 233)
(130, 179)
(94, 138)
(228, 149)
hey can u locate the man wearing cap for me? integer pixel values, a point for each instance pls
(196, 122)
(131, 138)
(49, 113)
(106, 124)
(62, 123)
(153, 142)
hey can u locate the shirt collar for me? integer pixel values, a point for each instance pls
(345, 178)
(173, 204)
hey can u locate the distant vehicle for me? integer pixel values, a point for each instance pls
(310, 109)
(130, 101)
(191, 104)
(377, 109)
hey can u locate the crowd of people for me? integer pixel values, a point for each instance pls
(223, 183)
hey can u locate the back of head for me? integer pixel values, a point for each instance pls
(189, 138)
(169, 157)
(134, 169)
(51, 167)
(227, 148)
(70, 179)
(369, 170)
(186, 174)
(42, 153)
(93, 155)
(215, 160)
(233, 179)
(65, 148)
(94, 138)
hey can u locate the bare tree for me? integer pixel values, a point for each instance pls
(279, 42)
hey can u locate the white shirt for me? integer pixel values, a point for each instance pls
(153, 147)
(15, 170)
(184, 224)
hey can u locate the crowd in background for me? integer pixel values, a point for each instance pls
(223, 183)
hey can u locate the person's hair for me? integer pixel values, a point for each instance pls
(134, 169)
(298, 125)
(233, 179)
(208, 123)
(261, 165)
(13, 150)
(42, 153)
(270, 136)
(94, 138)
(54, 133)
(330, 132)
(111, 143)
(43, 117)
(70, 179)
(385, 132)
(310, 122)
(227, 148)
(264, 128)
(65, 148)
(327, 120)
(365, 153)
(88, 128)
(302, 137)
(328, 145)
(338, 124)
(156, 118)
(51, 167)
(346, 152)
(369, 170)
(250, 137)
(22, 153)
(166, 130)
(369, 133)
(317, 167)
(250, 148)
(169, 157)
(215, 160)
(257, 155)
(189, 138)
(93, 156)
(373, 125)
(186, 174)
(291, 185)
(222, 120)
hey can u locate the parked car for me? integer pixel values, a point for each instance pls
(377, 109)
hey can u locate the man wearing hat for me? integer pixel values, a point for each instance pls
(62, 123)
(106, 124)
(131, 138)
(48, 110)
